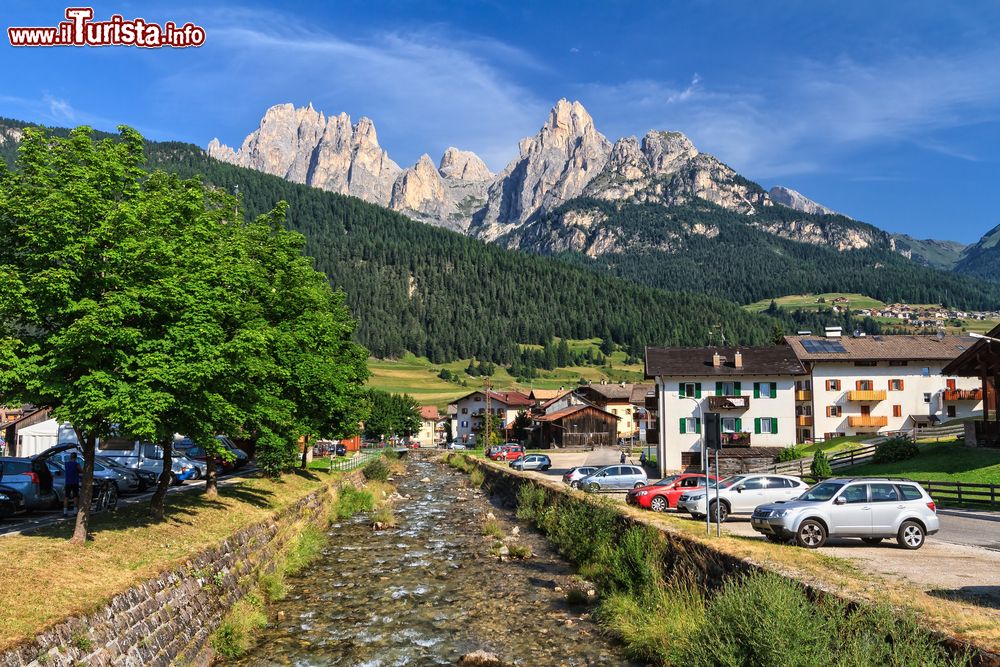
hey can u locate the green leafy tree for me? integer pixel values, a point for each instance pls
(820, 468)
(392, 414)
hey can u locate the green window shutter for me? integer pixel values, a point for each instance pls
(697, 390)
(697, 425)
(680, 389)
(683, 425)
(756, 391)
(737, 388)
(774, 424)
(772, 389)
(739, 425)
(756, 425)
(718, 388)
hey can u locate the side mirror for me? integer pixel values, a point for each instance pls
(739, 489)
(841, 500)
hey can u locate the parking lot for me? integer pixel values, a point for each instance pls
(963, 558)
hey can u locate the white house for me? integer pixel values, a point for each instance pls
(471, 409)
(752, 389)
(871, 384)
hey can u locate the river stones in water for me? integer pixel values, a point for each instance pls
(481, 659)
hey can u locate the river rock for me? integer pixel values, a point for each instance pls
(481, 659)
(425, 480)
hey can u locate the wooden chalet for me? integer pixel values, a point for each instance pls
(581, 425)
(981, 360)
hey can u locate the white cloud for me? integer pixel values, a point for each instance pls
(425, 90)
(59, 109)
(803, 118)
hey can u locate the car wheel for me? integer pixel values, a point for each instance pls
(196, 474)
(639, 485)
(911, 535)
(811, 534)
(658, 504)
(723, 511)
(871, 540)
(111, 500)
(174, 480)
(546, 467)
(574, 484)
(594, 486)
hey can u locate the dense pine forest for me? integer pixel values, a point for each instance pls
(418, 288)
(744, 264)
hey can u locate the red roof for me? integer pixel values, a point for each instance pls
(508, 398)
(429, 412)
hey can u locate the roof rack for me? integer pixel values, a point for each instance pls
(875, 478)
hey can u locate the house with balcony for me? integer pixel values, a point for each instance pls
(753, 389)
(624, 400)
(861, 384)
(472, 410)
(979, 363)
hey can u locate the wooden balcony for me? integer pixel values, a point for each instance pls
(741, 439)
(867, 421)
(804, 420)
(728, 402)
(866, 395)
(650, 403)
(963, 394)
(803, 395)
(653, 434)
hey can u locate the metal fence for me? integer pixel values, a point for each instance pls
(357, 461)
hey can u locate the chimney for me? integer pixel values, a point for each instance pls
(738, 359)
(716, 359)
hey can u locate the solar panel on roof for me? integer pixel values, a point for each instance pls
(823, 346)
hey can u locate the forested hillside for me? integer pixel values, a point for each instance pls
(982, 259)
(710, 250)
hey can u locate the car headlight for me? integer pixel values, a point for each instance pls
(4, 496)
(696, 496)
(643, 493)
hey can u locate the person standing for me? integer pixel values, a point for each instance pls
(623, 457)
(72, 488)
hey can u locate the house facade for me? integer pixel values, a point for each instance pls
(621, 400)
(576, 425)
(431, 430)
(471, 412)
(752, 389)
(876, 384)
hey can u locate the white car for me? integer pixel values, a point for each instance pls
(740, 494)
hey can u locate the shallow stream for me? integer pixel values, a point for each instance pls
(428, 591)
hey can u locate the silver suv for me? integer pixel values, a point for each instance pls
(614, 478)
(870, 508)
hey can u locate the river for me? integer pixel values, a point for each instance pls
(428, 591)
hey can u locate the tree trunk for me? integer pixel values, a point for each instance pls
(211, 476)
(89, 444)
(305, 449)
(163, 483)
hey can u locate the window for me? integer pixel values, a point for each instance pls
(465, 424)
(477, 399)
(858, 493)
(950, 383)
(865, 363)
(765, 425)
(884, 493)
(897, 411)
(910, 492)
(690, 389)
(729, 425)
(833, 385)
(803, 385)
(764, 390)
(778, 483)
(465, 411)
(898, 363)
(925, 371)
(864, 385)
(951, 411)
(927, 398)
(834, 411)
(690, 425)
(895, 384)
(152, 452)
(754, 483)
(690, 482)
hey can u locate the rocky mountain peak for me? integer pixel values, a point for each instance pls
(796, 200)
(463, 166)
(666, 151)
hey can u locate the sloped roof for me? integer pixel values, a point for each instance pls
(545, 394)
(610, 392)
(429, 412)
(508, 398)
(697, 361)
(880, 348)
(567, 411)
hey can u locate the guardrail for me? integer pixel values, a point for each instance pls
(963, 493)
(361, 459)
(801, 467)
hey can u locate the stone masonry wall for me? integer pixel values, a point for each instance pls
(167, 620)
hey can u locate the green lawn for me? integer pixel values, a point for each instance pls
(809, 302)
(836, 444)
(947, 462)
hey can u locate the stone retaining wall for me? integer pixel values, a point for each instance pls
(691, 559)
(167, 620)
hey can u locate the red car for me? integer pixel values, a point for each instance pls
(663, 494)
(508, 453)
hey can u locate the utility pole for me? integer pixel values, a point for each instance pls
(488, 421)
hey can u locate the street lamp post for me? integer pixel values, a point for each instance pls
(704, 458)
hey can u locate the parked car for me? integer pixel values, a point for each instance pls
(200, 456)
(663, 494)
(532, 462)
(508, 453)
(125, 479)
(740, 494)
(241, 457)
(341, 450)
(11, 502)
(614, 478)
(31, 478)
(106, 481)
(135, 455)
(873, 509)
(574, 475)
(455, 444)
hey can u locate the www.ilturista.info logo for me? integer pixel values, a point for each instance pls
(81, 30)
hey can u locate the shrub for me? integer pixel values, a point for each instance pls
(879, 636)
(530, 502)
(583, 531)
(521, 551)
(476, 478)
(492, 529)
(390, 453)
(895, 449)
(384, 517)
(762, 619)
(793, 453)
(304, 550)
(632, 564)
(820, 467)
(351, 501)
(236, 634)
(272, 585)
(657, 630)
(377, 470)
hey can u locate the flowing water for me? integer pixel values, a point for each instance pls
(428, 591)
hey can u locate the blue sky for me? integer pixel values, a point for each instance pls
(887, 111)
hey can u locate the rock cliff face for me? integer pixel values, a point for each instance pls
(567, 158)
(793, 199)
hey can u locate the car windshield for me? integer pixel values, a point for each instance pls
(666, 481)
(730, 481)
(821, 492)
